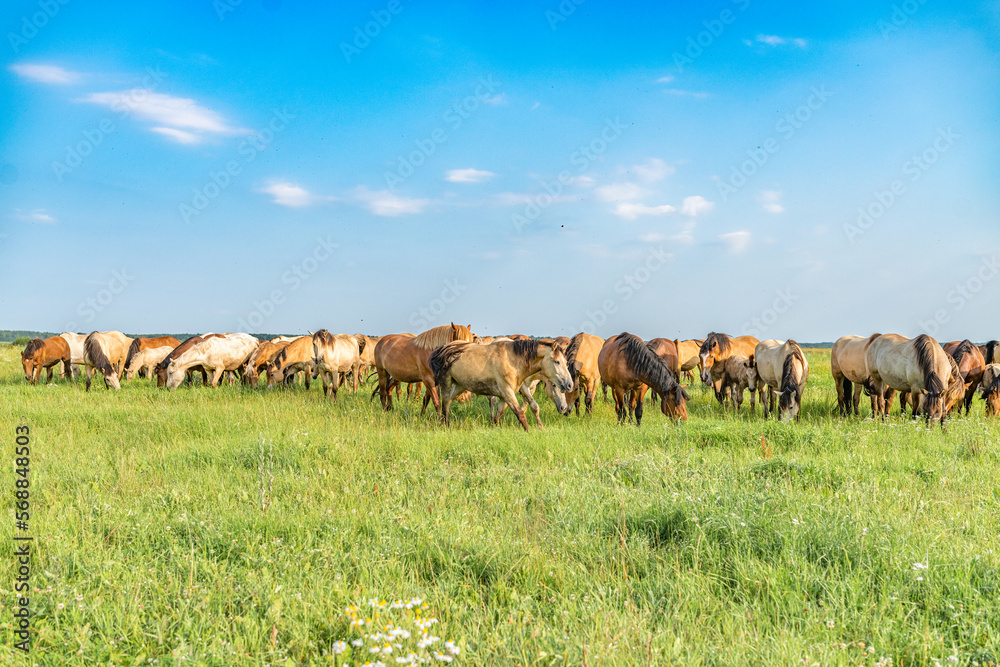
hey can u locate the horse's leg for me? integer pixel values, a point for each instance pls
(445, 406)
(641, 391)
(510, 398)
(88, 371)
(530, 401)
(589, 398)
(356, 372)
(619, 397)
(856, 401)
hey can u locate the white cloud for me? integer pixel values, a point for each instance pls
(172, 115)
(653, 169)
(288, 194)
(583, 181)
(736, 242)
(619, 192)
(180, 136)
(696, 205)
(36, 215)
(665, 79)
(44, 73)
(468, 175)
(631, 211)
(775, 40)
(770, 200)
(383, 202)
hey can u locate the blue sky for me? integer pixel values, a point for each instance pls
(774, 168)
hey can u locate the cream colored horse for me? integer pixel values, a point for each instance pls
(106, 351)
(581, 358)
(918, 366)
(688, 356)
(335, 354)
(228, 352)
(782, 366)
(76, 353)
(850, 371)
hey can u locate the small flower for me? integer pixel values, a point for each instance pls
(830, 624)
(919, 566)
(339, 647)
(357, 643)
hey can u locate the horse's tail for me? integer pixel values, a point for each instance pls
(933, 383)
(571, 352)
(991, 350)
(98, 359)
(443, 358)
(133, 350)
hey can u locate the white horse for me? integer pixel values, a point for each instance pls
(76, 353)
(333, 355)
(224, 353)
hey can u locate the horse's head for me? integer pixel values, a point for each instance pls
(990, 390)
(458, 332)
(956, 386)
(707, 355)
(554, 367)
(751, 373)
(111, 380)
(275, 373)
(673, 403)
(28, 358)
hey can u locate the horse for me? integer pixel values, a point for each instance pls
(716, 348)
(106, 351)
(989, 351)
(581, 359)
(971, 365)
(45, 353)
(665, 349)
(499, 369)
(629, 368)
(849, 370)
(294, 357)
(262, 357)
(527, 388)
(989, 389)
(146, 353)
(739, 374)
(76, 352)
(919, 365)
(782, 366)
(163, 366)
(334, 355)
(688, 356)
(405, 358)
(228, 352)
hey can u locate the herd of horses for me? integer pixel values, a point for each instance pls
(450, 363)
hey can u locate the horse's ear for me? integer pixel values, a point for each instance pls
(752, 361)
(453, 327)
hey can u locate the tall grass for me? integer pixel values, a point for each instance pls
(233, 526)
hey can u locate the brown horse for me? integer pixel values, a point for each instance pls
(106, 351)
(740, 374)
(919, 366)
(990, 389)
(688, 356)
(665, 349)
(45, 353)
(581, 359)
(294, 357)
(629, 368)
(405, 358)
(499, 369)
(262, 357)
(146, 353)
(850, 372)
(163, 366)
(989, 351)
(713, 354)
(971, 365)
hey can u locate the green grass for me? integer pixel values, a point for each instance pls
(728, 540)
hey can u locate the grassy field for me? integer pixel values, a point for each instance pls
(729, 540)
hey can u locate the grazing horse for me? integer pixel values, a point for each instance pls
(739, 374)
(782, 366)
(106, 351)
(971, 365)
(146, 353)
(849, 370)
(405, 358)
(499, 369)
(76, 352)
(581, 359)
(990, 389)
(45, 353)
(262, 357)
(228, 352)
(665, 349)
(163, 366)
(688, 356)
(296, 356)
(629, 368)
(919, 366)
(335, 355)
(713, 354)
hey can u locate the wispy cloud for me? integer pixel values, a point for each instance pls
(696, 205)
(652, 170)
(770, 201)
(45, 73)
(385, 203)
(619, 192)
(468, 175)
(179, 118)
(35, 215)
(631, 211)
(665, 79)
(180, 136)
(288, 194)
(775, 40)
(736, 242)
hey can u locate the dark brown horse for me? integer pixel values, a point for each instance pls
(989, 351)
(405, 358)
(971, 365)
(629, 368)
(45, 353)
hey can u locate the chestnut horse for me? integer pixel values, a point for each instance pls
(971, 365)
(405, 358)
(581, 359)
(499, 369)
(850, 372)
(782, 366)
(713, 354)
(45, 353)
(665, 349)
(919, 366)
(106, 351)
(629, 368)
(990, 389)
(146, 353)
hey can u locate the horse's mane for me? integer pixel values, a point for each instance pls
(133, 350)
(280, 359)
(96, 353)
(571, 352)
(933, 384)
(789, 386)
(724, 342)
(645, 363)
(323, 336)
(443, 358)
(362, 342)
(33, 346)
(964, 348)
(435, 338)
(527, 349)
(991, 350)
